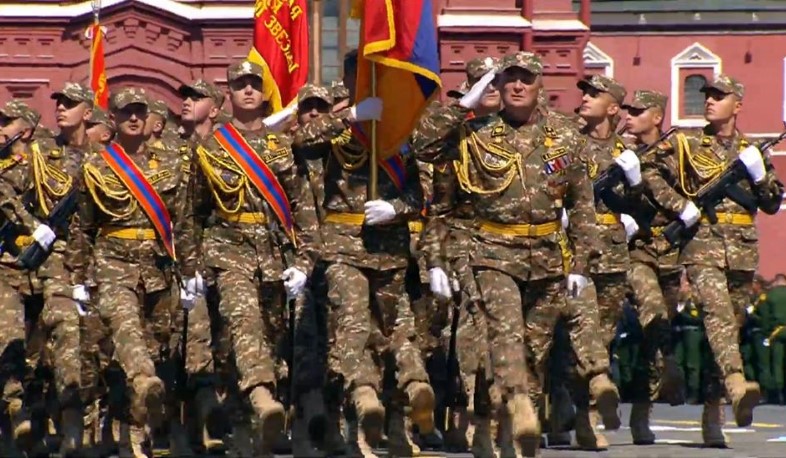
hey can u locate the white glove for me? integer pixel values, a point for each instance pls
(564, 219)
(276, 121)
(750, 309)
(680, 307)
(367, 109)
(196, 285)
(631, 227)
(766, 342)
(379, 212)
(44, 236)
(475, 93)
(294, 281)
(629, 163)
(751, 157)
(439, 283)
(80, 295)
(576, 284)
(187, 300)
(690, 214)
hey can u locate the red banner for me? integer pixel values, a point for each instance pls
(97, 67)
(281, 48)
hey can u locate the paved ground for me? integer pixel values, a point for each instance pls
(679, 436)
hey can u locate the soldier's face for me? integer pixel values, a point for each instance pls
(519, 88)
(246, 93)
(491, 97)
(9, 127)
(99, 133)
(719, 106)
(642, 120)
(154, 124)
(596, 104)
(311, 108)
(130, 121)
(197, 108)
(70, 113)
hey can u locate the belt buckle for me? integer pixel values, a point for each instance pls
(728, 218)
(532, 230)
(140, 233)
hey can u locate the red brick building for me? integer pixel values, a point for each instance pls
(669, 45)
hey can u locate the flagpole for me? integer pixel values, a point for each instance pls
(374, 166)
(96, 5)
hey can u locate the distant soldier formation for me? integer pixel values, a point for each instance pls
(238, 283)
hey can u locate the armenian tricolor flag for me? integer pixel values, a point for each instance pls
(281, 49)
(399, 38)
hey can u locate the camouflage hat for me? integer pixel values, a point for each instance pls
(19, 109)
(725, 84)
(160, 108)
(339, 91)
(313, 91)
(128, 96)
(242, 69)
(478, 67)
(75, 92)
(526, 60)
(100, 116)
(603, 83)
(204, 88)
(647, 99)
(460, 91)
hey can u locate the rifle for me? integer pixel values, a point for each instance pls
(724, 185)
(34, 255)
(6, 147)
(453, 369)
(614, 174)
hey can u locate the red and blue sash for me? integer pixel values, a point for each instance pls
(258, 172)
(136, 183)
(393, 166)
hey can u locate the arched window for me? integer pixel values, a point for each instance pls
(692, 97)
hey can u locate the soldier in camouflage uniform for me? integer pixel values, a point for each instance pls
(133, 272)
(365, 244)
(448, 237)
(201, 104)
(248, 247)
(518, 202)
(100, 127)
(654, 277)
(156, 123)
(720, 258)
(15, 118)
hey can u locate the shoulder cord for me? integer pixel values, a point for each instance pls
(42, 171)
(217, 184)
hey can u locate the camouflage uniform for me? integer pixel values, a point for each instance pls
(242, 246)
(720, 258)
(516, 253)
(610, 268)
(370, 323)
(132, 270)
(14, 282)
(654, 277)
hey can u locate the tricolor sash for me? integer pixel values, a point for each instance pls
(393, 166)
(136, 183)
(258, 172)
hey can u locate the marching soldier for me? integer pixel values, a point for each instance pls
(518, 202)
(446, 240)
(17, 125)
(365, 245)
(721, 257)
(654, 277)
(249, 210)
(129, 192)
(200, 107)
(601, 101)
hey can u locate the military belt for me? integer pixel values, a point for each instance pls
(128, 233)
(355, 219)
(243, 217)
(735, 219)
(607, 219)
(415, 226)
(521, 230)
